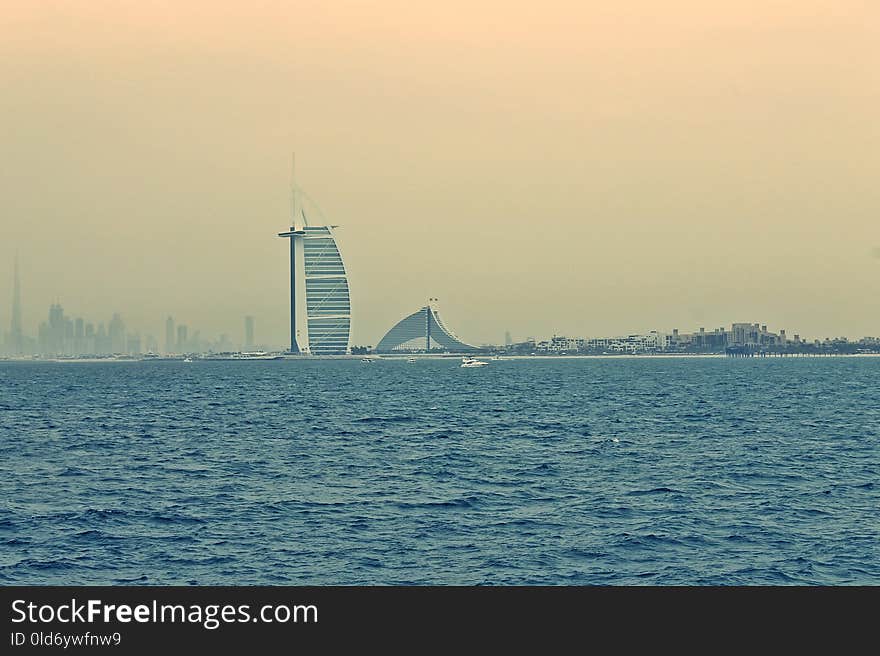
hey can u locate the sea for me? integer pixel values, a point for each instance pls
(541, 471)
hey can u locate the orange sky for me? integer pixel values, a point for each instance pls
(568, 167)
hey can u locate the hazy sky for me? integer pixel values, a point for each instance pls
(584, 168)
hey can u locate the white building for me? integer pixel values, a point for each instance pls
(320, 304)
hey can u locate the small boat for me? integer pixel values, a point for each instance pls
(410, 359)
(468, 361)
(367, 360)
(187, 359)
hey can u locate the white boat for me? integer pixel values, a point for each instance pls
(410, 359)
(187, 359)
(367, 360)
(468, 361)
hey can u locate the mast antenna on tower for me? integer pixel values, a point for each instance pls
(293, 187)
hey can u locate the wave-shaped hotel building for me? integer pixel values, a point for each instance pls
(320, 302)
(422, 331)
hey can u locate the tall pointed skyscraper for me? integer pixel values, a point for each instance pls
(320, 306)
(16, 335)
(169, 335)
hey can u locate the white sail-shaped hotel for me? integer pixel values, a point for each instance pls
(320, 304)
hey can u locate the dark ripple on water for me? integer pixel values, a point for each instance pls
(525, 472)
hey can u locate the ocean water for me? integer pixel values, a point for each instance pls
(541, 471)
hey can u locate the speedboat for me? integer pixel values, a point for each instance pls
(468, 361)
(367, 360)
(410, 359)
(187, 359)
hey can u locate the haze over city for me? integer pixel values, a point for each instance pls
(570, 168)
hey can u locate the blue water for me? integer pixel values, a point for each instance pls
(545, 471)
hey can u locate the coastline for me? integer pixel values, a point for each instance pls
(404, 358)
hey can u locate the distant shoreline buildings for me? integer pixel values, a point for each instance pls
(741, 339)
(327, 318)
(320, 322)
(63, 336)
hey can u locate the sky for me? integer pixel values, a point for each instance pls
(579, 168)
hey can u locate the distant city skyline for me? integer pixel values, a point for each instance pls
(30, 311)
(69, 335)
(319, 307)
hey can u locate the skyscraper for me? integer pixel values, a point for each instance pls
(248, 332)
(102, 342)
(55, 343)
(320, 305)
(181, 339)
(16, 336)
(90, 340)
(169, 335)
(79, 336)
(69, 336)
(116, 332)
